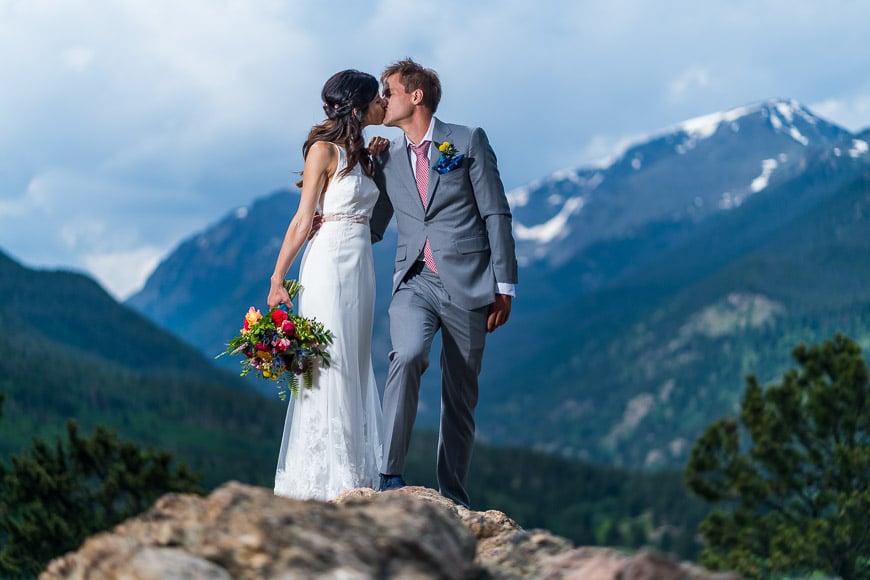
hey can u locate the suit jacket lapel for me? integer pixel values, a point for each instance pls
(440, 133)
(401, 168)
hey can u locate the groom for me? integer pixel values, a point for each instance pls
(455, 268)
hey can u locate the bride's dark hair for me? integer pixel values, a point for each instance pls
(346, 97)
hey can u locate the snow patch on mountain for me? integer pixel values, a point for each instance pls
(731, 200)
(520, 196)
(596, 180)
(760, 182)
(568, 175)
(792, 131)
(791, 108)
(553, 228)
(782, 118)
(858, 149)
(707, 125)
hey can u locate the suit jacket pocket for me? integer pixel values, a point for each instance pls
(401, 253)
(472, 244)
(457, 173)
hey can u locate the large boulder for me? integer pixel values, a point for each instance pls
(241, 531)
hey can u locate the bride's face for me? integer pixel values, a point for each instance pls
(375, 112)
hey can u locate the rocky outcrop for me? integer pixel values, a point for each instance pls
(241, 531)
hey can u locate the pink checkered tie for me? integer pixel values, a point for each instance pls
(422, 175)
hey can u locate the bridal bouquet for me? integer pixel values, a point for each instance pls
(281, 346)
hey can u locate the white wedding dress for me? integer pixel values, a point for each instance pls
(332, 435)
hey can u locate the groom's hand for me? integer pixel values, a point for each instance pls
(499, 312)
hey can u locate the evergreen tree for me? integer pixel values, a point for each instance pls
(793, 473)
(53, 497)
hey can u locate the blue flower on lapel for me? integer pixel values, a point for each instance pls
(448, 160)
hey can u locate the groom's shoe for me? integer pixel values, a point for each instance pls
(389, 482)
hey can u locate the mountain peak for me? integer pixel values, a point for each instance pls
(785, 116)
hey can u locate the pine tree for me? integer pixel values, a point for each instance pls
(792, 474)
(52, 497)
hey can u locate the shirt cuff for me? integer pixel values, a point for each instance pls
(509, 289)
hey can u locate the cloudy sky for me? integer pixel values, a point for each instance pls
(128, 125)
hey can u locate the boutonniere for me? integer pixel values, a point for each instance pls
(448, 159)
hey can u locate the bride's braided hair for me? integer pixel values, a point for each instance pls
(346, 97)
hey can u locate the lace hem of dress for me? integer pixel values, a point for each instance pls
(293, 486)
(322, 462)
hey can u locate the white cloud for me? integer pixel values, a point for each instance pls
(80, 220)
(852, 112)
(122, 273)
(690, 80)
(78, 58)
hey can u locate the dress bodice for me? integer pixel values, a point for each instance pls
(354, 194)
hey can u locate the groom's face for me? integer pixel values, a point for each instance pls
(400, 104)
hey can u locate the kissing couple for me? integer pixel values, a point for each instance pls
(455, 272)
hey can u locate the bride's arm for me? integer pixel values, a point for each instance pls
(319, 166)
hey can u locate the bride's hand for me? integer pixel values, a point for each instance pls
(378, 145)
(278, 295)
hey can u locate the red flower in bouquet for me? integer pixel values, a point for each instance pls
(278, 316)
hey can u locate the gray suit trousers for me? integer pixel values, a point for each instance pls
(420, 308)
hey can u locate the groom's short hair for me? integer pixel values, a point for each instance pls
(413, 77)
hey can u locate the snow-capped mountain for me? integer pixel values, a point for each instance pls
(686, 172)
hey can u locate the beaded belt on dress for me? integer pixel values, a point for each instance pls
(345, 217)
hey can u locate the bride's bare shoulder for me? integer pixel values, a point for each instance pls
(322, 154)
(323, 149)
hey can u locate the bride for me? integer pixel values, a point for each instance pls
(332, 434)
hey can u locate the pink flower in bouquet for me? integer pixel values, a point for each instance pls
(260, 346)
(282, 344)
(278, 317)
(288, 328)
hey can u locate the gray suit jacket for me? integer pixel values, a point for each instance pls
(467, 219)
